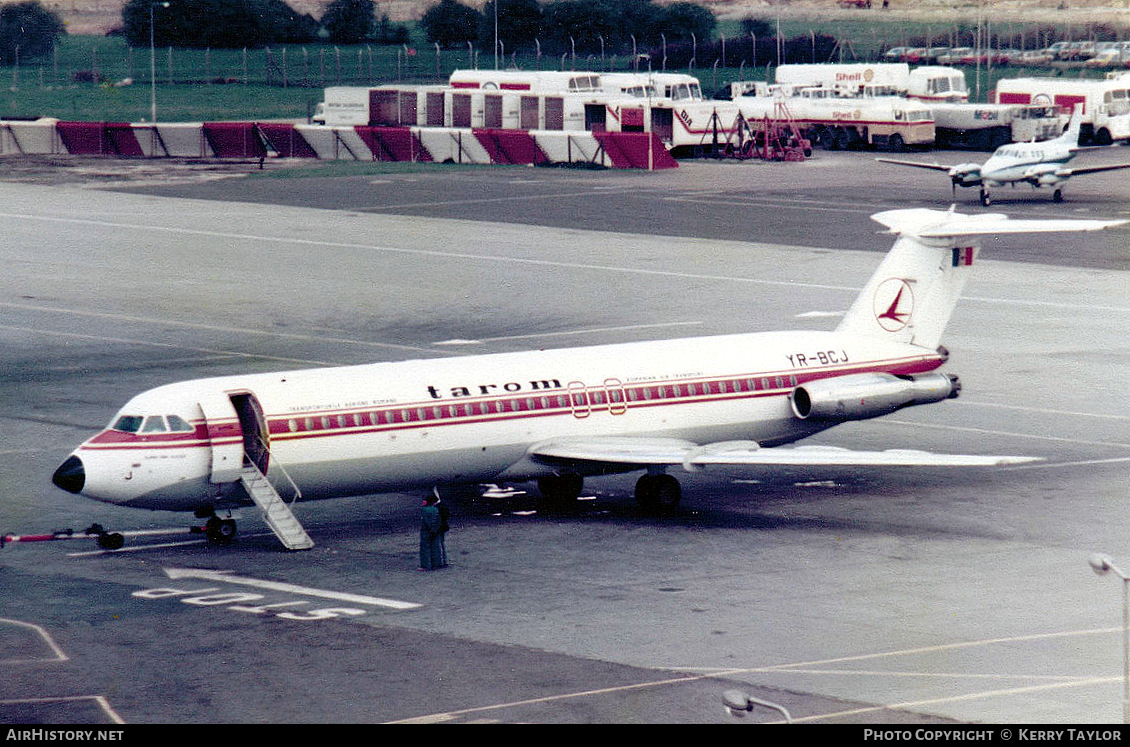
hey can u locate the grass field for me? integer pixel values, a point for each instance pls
(98, 78)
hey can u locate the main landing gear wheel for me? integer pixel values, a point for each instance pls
(111, 541)
(985, 199)
(655, 493)
(106, 540)
(1057, 196)
(563, 488)
(220, 531)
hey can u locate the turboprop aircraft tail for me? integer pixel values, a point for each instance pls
(1070, 136)
(912, 294)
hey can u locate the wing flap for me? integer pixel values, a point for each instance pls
(645, 452)
(838, 456)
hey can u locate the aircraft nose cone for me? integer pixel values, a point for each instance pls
(70, 476)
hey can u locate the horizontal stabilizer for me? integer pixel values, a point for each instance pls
(937, 224)
(644, 452)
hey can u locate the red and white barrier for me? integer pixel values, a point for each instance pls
(28, 138)
(464, 145)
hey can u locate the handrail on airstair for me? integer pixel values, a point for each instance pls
(276, 511)
(281, 468)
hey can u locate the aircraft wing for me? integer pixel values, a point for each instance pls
(644, 452)
(1077, 170)
(917, 164)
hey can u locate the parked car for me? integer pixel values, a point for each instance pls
(1034, 57)
(1077, 50)
(1108, 58)
(915, 55)
(1056, 50)
(933, 54)
(955, 56)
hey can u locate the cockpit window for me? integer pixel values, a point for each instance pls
(177, 424)
(128, 423)
(154, 424)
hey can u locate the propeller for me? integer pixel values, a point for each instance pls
(955, 179)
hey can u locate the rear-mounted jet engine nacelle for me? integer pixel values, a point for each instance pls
(862, 396)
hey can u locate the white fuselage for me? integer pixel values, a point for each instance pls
(391, 426)
(1020, 162)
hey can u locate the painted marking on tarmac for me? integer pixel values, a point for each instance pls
(819, 668)
(1011, 434)
(432, 718)
(570, 333)
(227, 578)
(59, 655)
(100, 700)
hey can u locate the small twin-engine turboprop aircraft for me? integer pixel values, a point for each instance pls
(1041, 164)
(554, 416)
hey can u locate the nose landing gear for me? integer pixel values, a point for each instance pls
(218, 531)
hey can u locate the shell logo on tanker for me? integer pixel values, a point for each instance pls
(867, 76)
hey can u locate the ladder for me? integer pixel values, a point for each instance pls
(276, 513)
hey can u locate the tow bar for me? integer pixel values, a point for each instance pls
(106, 540)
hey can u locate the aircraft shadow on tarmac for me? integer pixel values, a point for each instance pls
(785, 499)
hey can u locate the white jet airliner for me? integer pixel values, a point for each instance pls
(553, 416)
(1041, 164)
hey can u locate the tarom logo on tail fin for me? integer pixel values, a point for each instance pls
(912, 294)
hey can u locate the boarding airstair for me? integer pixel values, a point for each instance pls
(276, 512)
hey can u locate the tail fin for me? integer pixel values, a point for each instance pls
(912, 294)
(1070, 136)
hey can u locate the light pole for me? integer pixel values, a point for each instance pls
(1101, 565)
(153, 63)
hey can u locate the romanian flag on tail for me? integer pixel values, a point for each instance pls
(963, 255)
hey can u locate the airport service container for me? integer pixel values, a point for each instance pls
(1106, 103)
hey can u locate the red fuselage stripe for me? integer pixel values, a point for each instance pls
(577, 403)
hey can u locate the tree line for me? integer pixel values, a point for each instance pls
(28, 30)
(671, 35)
(573, 26)
(230, 24)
